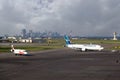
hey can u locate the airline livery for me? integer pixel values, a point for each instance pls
(82, 47)
(18, 51)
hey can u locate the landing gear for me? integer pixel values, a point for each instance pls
(16, 54)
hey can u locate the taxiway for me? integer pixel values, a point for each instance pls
(63, 64)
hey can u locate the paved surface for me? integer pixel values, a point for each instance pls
(64, 64)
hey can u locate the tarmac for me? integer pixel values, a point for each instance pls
(61, 64)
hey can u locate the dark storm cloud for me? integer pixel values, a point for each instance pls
(81, 17)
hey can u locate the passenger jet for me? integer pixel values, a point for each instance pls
(82, 47)
(18, 51)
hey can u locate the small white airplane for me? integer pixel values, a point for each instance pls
(82, 47)
(18, 51)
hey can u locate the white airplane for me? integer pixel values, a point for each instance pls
(18, 51)
(82, 47)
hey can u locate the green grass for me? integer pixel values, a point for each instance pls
(59, 43)
(4, 49)
(29, 48)
(96, 41)
(39, 48)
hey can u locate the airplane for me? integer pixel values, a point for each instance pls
(82, 47)
(18, 51)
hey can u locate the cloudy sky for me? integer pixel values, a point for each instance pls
(78, 17)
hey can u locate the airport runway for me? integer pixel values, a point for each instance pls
(63, 64)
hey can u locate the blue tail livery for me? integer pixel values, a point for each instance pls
(67, 40)
(82, 47)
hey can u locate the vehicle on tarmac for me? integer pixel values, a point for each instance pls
(18, 51)
(82, 47)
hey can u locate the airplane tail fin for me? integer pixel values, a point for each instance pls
(12, 48)
(67, 40)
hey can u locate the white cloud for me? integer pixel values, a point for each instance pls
(83, 17)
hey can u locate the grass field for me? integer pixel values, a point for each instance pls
(59, 43)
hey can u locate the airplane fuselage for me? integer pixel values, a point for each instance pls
(84, 47)
(19, 52)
